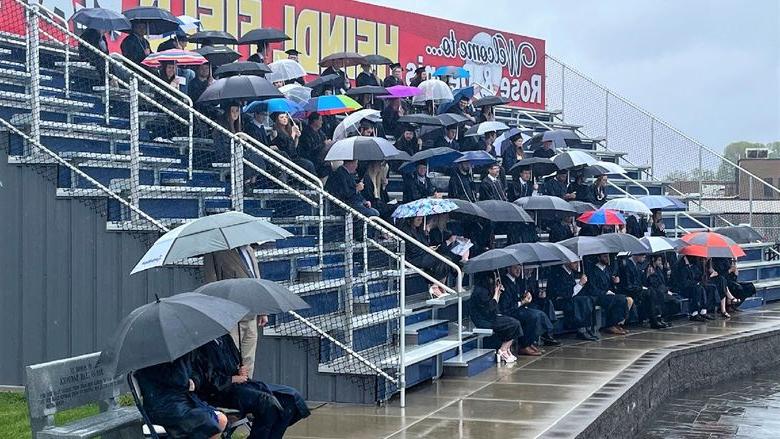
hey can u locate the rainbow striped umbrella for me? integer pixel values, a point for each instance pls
(604, 217)
(711, 245)
(180, 57)
(331, 104)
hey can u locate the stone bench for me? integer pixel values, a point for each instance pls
(74, 382)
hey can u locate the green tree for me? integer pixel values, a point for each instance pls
(736, 150)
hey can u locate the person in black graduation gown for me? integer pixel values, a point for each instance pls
(418, 185)
(313, 144)
(395, 77)
(513, 154)
(484, 313)
(341, 184)
(543, 303)
(578, 187)
(135, 46)
(597, 194)
(633, 282)
(634, 226)
(420, 75)
(523, 186)
(656, 281)
(366, 77)
(515, 302)
(286, 136)
(225, 383)
(255, 128)
(740, 290)
(448, 139)
(686, 281)
(546, 151)
(441, 237)
(562, 230)
(564, 285)
(342, 84)
(657, 226)
(96, 39)
(408, 140)
(390, 114)
(461, 184)
(259, 55)
(557, 186)
(491, 187)
(601, 286)
(169, 400)
(422, 259)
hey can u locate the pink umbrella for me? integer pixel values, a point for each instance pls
(400, 91)
(181, 57)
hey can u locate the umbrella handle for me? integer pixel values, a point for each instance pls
(240, 353)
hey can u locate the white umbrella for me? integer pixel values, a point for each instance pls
(296, 92)
(433, 90)
(658, 244)
(285, 70)
(349, 122)
(573, 159)
(601, 168)
(361, 148)
(627, 205)
(486, 127)
(209, 234)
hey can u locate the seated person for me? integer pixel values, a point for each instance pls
(564, 286)
(557, 186)
(461, 184)
(448, 140)
(649, 301)
(135, 46)
(542, 303)
(443, 239)
(314, 144)
(484, 312)
(686, 281)
(491, 187)
(286, 136)
(168, 391)
(597, 194)
(563, 229)
(601, 286)
(375, 188)
(521, 187)
(513, 154)
(408, 140)
(96, 39)
(341, 184)
(656, 281)
(740, 290)
(578, 187)
(418, 185)
(422, 259)
(514, 302)
(225, 383)
(546, 151)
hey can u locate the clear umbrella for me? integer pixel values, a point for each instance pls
(285, 70)
(349, 122)
(297, 93)
(627, 205)
(433, 90)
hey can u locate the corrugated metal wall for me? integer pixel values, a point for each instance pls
(64, 282)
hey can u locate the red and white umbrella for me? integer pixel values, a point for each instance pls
(180, 57)
(711, 245)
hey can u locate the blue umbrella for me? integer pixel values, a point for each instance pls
(434, 157)
(662, 202)
(457, 95)
(101, 19)
(275, 105)
(476, 158)
(455, 72)
(424, 207)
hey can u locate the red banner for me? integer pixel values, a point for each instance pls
(499, 63)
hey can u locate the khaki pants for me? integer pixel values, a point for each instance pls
(248, 345)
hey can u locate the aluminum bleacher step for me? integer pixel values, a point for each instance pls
(426, 331)
(470, 363)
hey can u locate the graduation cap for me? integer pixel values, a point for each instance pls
(365, 123)
(419, 70)
(407, 127)
(395, 66)
(292, 52)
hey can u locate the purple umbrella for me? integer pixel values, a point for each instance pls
(400, 91)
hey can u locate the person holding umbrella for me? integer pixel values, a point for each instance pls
(485, 114)
(314, 144)
(135, 46)
(491, 187)
(366, 77)
(687, 278)
(415, 228)
(562, 229)
(461, 184)
(558, 186)
(564, 285)
(449, 139)
(515, 302)
(601, 285)
(285, 138)
(521, 187)
(633, 284)
(341, 184)
(420, 75)
(200, 83)
(578, 186)
(510, 156)
(485, 313)
(407, 140)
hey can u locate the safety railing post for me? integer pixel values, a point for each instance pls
(349, 297)
(750, 203)
(365, 257)
(606, 119)
(563, 93)
(652, 147)
(701, 177)
(135, 148)
(191, 153)
(402, 322)
(67, 65)
(321, 231)
(236, 176)
(35, 73)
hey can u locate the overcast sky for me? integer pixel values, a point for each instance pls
(709, 67)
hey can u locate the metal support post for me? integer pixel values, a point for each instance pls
(135, 148)
(402, 322)
(67, 65)
(236, 175)
(652, 147)
(365, 258)
(701, 176)
(35, 73)
(750, 211)
(321, 231)
(606, 119)
(349, 298)
(563, 93)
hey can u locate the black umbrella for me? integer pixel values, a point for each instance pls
(448, 119)
(534, 142)
(218, 55)
(209, 37)
(545, 203)
(562, 138)
(489, 101)
(589, 245)
(434, 157)
(538, 165)
(494, 259)
(504, 211)
(582, 206)
(468, 208)
(240, 88)
(159, 21)
(741, 234)
(625, 242)
(166, 329)
(327, 80)
(367, 90)
(566, 255)
(265, 35)
(538, 254)
(362, 148)
(343, 59)
(258, 295)
(101, 19)
(377, 60)
(421, 119)
(242, 68)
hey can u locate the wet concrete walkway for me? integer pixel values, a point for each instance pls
(521, 400)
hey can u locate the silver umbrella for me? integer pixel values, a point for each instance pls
(362, 148)
(573, 159)
(258, 295)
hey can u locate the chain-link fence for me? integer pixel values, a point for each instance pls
(127, 139)
(711, 182)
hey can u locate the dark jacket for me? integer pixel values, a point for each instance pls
(635, 227)
(560, 284)
(391, 81)
(554, 188)
(483, 308)
(414, 189)
(134, 48)
(195, 88)
(596, 195)
(580, 191)
(366, 79)
(286, 145)
(491, 190)
(560, 232)
(461, 186)
(97, 40)
(442, 142)
(599, 281)
(685, 276)
(368, 194)
(544, 153)
(631, 278)
(341, 184)
(258, 133)
(518, 189)
(411, 147)
(311, 144)
(390, 122)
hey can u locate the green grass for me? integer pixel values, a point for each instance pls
(14, 422)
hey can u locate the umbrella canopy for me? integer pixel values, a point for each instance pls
(362, 148)
(489, 101)
(564, 254)
(285, 70)
(209, 37)
(166, 329)
(573, 159)
(181, 57)
(486, 127)
(240, 88)
(494, 259)
(561, 138)
(401, 91)
(433, 90)
(457, 95)
(367, 90)
(454, 71)
(343, 59)
(504, 141)
(504, 211)
(743, 234)
(296, 93)
(626, 204)
(101, 19)
(424, 207)
(377, 60)
(539, 254)
(603, 168)
(434, 157)
(349, 123)
(218, 55)
(241, 68)
(626, 242)
(331, 104)
(538, 165)
(188, 24)
(662, 202)
(258, 295)
(159, 21)
(602, 217)
(208, 234)
(469, 208)
(275, 105)
(660, 244)
(448, 119)
(421, 119)
(476, 158)
(325, 80)
(542, 203)
(264, 35)
(711, 245)
(588, 245)
(582, 206)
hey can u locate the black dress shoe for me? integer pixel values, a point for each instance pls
(657, 325)
(710, 317)
(665, 323)
(549, 341)
(582, 335)
(697, 318)
(592, 334)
